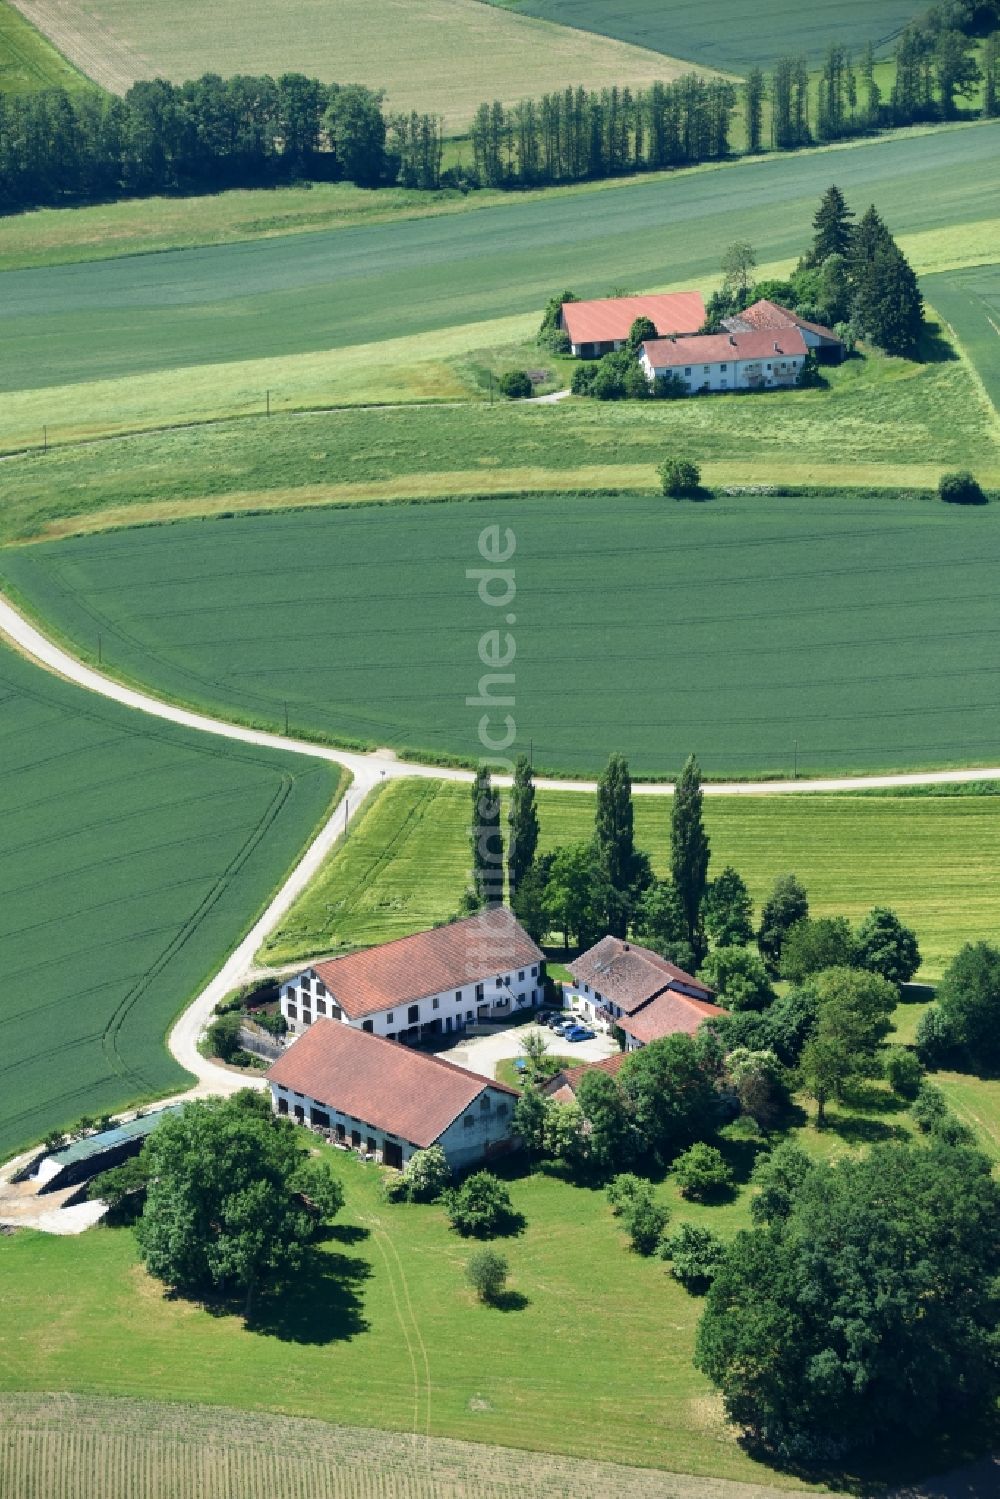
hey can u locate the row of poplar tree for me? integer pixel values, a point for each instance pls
(248, 131)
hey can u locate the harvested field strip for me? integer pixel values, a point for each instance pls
(76, 1447)
(931, 858)
(133, 857)
(313, 292)
(81, 35)
(822, 629)
(395, 45)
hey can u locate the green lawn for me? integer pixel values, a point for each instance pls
(325, 291)
(931, 858)
(970, 301)
(976, 1101)
(381, 1329)
(738, 628)
(133, 856)
(722, 35)
(28, 61)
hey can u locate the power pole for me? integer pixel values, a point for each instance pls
(268, 397)
(795, 767)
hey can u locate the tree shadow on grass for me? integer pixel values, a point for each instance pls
(934, 346)
(510, 1301)
(858, 1129)
(322, 1305)
(740, 1155)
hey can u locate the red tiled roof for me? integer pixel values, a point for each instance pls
(765, 315)
(716, 348)
(667, 1014)
(630, 976)
(379, 978)
(562, 1087)
(610, 319)
(408, 1093)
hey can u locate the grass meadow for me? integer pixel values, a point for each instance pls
(445, 58)
(969, 301)
(931, 858)
(859, 629)
(718, 36)
(28, 61)
(381, 1329)
(78, 336)
(133, 856)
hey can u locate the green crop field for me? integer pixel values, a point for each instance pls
(862, 630)
(28, 62)
(77, 1447)
(445, 57)
(931, 858)
(722, 35)
(970, 302)
(133, 856)
(306, 293)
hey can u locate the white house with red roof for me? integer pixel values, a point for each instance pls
(431, 984)
(376, 1096)
(599, 327)
(769, 317)
(631, 988)
(755, 360)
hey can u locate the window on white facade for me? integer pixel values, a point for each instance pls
(501, 1111)
(435, 1003)
(389, 1017)
(320, 1006)
(413, 1014)
(499, 983)
(723, 366)
(520, 976)
(306, 983)
(484, 1103)
(458, 996)
(469, 1121)
(306, 1018)
(367, 1025)
(534, 971)
(479, 991)
(292, 1012)
(687, 370)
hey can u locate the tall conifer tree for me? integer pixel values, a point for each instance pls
(522, 822)
(689, 849)
(486, 841)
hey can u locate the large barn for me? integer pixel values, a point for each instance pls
(389, 1100)
(600, 327)
(431, 984)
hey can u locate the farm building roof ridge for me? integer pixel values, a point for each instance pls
(412, 1094)
(715, 348)
(446, 957)
(609, 319)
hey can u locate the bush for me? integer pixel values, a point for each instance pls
(668, 388)
(701, 1173)
(951, 1131)
(903, 1072)
(739, 977)
(583, 379)
(695, 1255)
(622, 1189)
(679, 477)
(960, 489)
(929, 1107)
(644, 1220)
(54, 1139)
(487, 1274)
(480, 1207)
(274, 1023)
(935, 1037)
(427, 1174)
(224, 1037)
(515, 385)
(394, 1187)
(813, 944)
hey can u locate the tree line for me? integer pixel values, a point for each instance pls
(207, 134)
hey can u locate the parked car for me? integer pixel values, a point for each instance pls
(577, 1033)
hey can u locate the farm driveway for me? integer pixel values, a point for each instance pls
(482, 1053)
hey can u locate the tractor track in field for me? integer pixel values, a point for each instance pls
(366, 771)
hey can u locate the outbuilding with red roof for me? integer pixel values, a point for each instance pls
(636, 990)
(600, 327)
(388, 1100)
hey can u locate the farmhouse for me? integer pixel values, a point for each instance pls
(386, 1099)
(431, 984)
(596, 328)
(728, 361)
(563, 1085)
(768, 317)
(633, 988)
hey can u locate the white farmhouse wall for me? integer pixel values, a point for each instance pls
(304, 998)
(732, 374)
(484, 1128)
